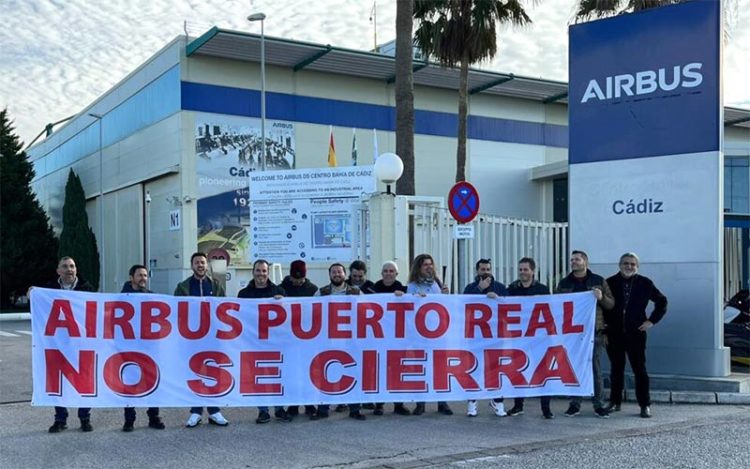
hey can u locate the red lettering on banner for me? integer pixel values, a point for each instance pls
(123, 322)
(373, 322)
(400, 309)
(68, 321)
(335, 320)
(541, 318)
(370, 365)
(183, 320)
(510, 362)
(266, 321)
(252, 372)
(568, 326)
(115, 366)
(456, 363)
(506, 319)
(554, 365)
(235, 326)
(444, 320)
(83, 379)
(160, 319)
(200, 364)
(397, 370)
(315, 326)
(92, 313)
(471, 320)
(319, 372)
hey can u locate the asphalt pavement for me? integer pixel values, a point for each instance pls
(678, 436)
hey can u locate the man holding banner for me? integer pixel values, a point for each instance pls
(579, 280)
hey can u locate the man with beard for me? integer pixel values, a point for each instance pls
(67, 279)
(338, 286)
(627, 324)
(527, 285)
(201, 284)
(137, 284)
(296, 285)
(261, 287)
(423, 282)
(358, 277)
(579, 280)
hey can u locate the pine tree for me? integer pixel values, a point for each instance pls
(77, 240)
(28, 247)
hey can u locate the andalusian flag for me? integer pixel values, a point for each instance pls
(331, 149)
(354, 147)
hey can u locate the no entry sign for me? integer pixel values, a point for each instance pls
(463, 202)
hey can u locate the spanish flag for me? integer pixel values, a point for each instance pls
(331, 150)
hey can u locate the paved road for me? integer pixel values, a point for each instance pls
(679, 436)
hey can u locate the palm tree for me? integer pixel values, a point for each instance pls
(404, 88)
(590, 9)
(461, 33)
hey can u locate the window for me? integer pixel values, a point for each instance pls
(736, 184)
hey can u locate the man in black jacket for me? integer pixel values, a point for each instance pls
(527, 285)
(261, 287)
(137, 284)
(68, 279)
(358, 278)
(297, 285)
(627, 324)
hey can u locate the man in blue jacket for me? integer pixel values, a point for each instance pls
(485, 284)
(138, 284)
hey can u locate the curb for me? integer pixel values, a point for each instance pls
(695, 397)
(15, 317)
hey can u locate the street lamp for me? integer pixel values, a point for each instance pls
(262, 17)
(388, 168)
(102, 275)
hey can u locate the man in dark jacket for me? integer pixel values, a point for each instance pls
(358, 278)
(579, 280)
(297, 285)
(527, 285)
(485, 284)
(627, 324)
(68, 279)
(138, 284)
(261, 287)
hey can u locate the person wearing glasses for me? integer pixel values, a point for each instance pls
(627, 324)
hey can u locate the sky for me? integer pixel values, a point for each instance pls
(58, 56)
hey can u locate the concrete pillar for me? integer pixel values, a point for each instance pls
(389, 234)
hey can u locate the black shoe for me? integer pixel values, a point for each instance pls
(602, 412)
(368, 406)
(516, 410)
(646, 412)
(401, 410)
(263, 417)
(340, 408)
(444, 409)
(156, 423)
(612, 407)
(292, 411)
(319, 416)
(57, 427)
(356, 415)
(282, 415)
(86, 425)
(572, 411)
(378, 410)
(418, 410)
(548, 414)
(128, 426)
(309, 410)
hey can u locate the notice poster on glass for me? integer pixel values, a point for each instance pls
(306, 214)
(228, 151)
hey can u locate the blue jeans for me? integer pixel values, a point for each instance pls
(324, 408)
(596, 399)
(199, 410)
(61, 413)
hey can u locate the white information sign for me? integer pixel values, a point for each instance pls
(463, 231)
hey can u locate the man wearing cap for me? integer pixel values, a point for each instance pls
(296, 285)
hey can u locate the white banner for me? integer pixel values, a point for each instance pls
(109, 350)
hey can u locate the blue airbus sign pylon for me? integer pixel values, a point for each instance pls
(646, 167)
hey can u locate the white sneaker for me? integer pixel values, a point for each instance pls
(498, 408)
(218, 419)
(193, 421)
(471, 408)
